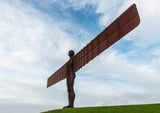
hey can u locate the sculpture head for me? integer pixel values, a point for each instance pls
(71, 53)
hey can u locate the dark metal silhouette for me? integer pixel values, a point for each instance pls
(70, 81)
(125, 23)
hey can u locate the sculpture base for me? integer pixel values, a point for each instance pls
(67, 107)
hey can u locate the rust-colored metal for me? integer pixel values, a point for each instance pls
(125, 23)
(58, 75)
(70, 81)
(114, 32)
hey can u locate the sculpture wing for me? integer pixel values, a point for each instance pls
(125, 23)
(58, 75)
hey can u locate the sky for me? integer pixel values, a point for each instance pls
(36, 35)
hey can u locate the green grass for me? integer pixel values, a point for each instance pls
(150, 108)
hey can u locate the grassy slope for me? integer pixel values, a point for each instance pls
(150, 108)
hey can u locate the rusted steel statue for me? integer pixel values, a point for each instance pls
(70, 81)
(125, 23)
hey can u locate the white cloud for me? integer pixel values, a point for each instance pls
(21, 107)
(114, 65)
(112, 80)
(108, 8)
(147, 33)
(33, 45)
(31, 37)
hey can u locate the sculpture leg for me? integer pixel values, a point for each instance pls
(71, 93)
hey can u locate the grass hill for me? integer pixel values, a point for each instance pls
(150, 108)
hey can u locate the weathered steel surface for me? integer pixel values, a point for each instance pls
(115, 31)
(125, 23)
(58, 75)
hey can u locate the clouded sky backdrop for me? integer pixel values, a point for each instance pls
(36, 35)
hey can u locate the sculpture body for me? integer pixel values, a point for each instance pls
(70, 81)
